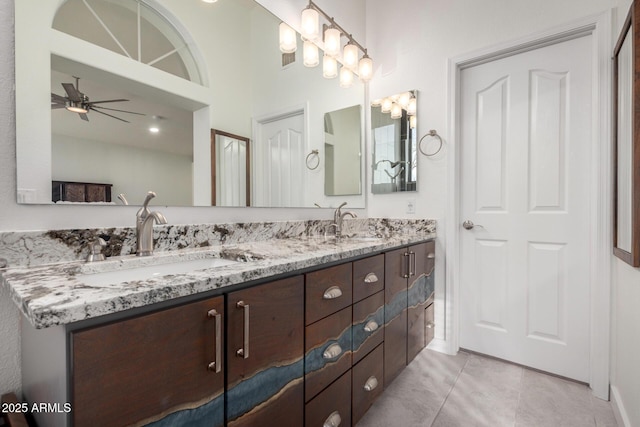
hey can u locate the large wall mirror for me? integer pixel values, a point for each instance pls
(159, 75)
(627, 141)
(393, 131)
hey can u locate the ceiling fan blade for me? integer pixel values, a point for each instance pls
(109, 100)
(117, 118)
(73, 93)
(57, 106)
(113, 109)
(84, 117)
(57, 98)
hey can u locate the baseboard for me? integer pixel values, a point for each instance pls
(618, 408)
(441, 346)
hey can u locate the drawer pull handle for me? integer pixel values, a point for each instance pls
(371, 326)
(333, 351)
(371, 278)
(371, 384)
(431, 256)
(244, 351)
(431, 325)
(332, 293)
(334, 420)
(216, 366)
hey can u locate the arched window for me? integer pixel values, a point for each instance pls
(132, 28)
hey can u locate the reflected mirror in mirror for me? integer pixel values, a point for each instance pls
(231, 165)
(342, 142)
(393, 130)
(626, 239)
(214, 66)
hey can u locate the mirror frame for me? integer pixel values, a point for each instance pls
(629, 29)
(214, 172)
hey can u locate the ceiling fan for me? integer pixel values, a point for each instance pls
(78, 102)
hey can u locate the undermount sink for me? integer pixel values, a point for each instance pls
(115, 277)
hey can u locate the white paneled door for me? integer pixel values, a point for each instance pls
(279, 167)
(524, 288)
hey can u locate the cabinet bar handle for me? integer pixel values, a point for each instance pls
(406, 265)
(216, 366)
(371, 383)
(333, 351)
(244, 351)
(430, 325)
(371, 278)
(332, 293)
(334, 420)
(412, 255)
(371, 326)
(431, 256)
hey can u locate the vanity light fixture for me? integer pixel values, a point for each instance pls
(396, 111)
(332, 35)
(310, 55)
(332, 41)
(288, 42)
(346, 77)
(154, 129)
(404, 99)
(329, 66)
(412, 122)
(386, 105)
(412, 107)
(209, 1)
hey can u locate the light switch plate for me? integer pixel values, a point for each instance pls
(411, 206)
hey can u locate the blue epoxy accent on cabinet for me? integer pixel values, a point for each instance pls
(360, 335)
(314, 359)
(211, 414)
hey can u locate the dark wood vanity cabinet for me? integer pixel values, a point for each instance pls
(139, 370)
(408, 287)
(265, 350)
(313, 349)
(80, 192)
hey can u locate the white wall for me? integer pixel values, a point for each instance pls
(132, 171)
(411, 51)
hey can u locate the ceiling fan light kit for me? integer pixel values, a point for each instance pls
(78, 102)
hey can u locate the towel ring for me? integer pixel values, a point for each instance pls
(310, 159)
(432, 132)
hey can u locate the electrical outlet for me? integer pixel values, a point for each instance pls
(411, 206)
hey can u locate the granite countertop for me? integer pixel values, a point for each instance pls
(54, 294)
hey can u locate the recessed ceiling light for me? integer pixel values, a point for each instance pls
(154, 130)
(209, 1)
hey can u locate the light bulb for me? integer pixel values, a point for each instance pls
(287, 39)
(350, 56)
(365, 68)
(346, 77)
(329, 66)
(412, 107)
(403, 99)
(332, 41)
(396, 111)
(310, 55)
(412, 122)
(376, 102)
(386, 105)
(310, 24)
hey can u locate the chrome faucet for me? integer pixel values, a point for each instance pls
(338, 218)
(144, 226)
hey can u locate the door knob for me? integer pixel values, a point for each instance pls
(468, 225)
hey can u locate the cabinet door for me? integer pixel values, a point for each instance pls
(395, 313)
(367, 383)
(153, 367)
(265, 349)
(332, 407)
(419, 295)
(328, 291)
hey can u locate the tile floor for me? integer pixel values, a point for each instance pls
(470, 390)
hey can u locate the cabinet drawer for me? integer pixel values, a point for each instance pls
(367, 383)
(430, 326)
(328, 290)
(368, 325)
(334, 402)
(327, 351)
(368, 277)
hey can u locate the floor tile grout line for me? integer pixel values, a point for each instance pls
(450, 390)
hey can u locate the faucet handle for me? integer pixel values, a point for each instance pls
(144, 210)
(95, 250)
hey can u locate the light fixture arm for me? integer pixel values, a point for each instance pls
(334, 24)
